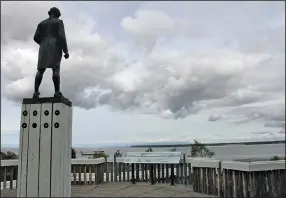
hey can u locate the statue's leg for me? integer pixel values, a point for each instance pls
(56, 80)
(38, 80)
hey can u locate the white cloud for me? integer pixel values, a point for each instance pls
(176, 81)
(148, 22)
(214, 117)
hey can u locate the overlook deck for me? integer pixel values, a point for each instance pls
(125, 189)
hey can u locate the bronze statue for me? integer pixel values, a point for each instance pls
(50, 35)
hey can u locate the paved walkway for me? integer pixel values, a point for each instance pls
(113, 189)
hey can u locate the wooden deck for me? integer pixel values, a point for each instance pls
(206, 176)
(124, 189)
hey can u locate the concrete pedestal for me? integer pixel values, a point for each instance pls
(44, 168)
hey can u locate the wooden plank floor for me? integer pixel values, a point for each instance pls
(124, 189)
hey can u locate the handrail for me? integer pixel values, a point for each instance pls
(101, 160)
(253, 166)
(195, 162)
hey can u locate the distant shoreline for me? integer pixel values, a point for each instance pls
(210, 144)
(162, 145)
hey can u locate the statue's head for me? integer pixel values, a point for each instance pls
(55, 12)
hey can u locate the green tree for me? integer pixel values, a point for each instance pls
(3, 155)
(200, 150)
(149, 150)
(73, 153)
(118, 153)
(8, 155)
(99, 154)
(276, 157)
(173, 149)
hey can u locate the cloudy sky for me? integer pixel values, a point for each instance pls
(154, 71)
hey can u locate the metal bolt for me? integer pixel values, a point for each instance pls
(57, 125)
(46, 125)
(25, 113)
(57, 112)
(35, 113)
(34, 125)
(46, 112)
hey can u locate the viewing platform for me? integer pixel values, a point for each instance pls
(193, 177)
(125, 189)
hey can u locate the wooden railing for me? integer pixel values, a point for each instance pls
(9, 173)
(119, 171)
(207, 176)
(255, 179)
(89, 171)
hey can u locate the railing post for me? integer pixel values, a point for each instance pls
(152, 174)
(219, 169)
(5, 177)
(106, 168)
(115, 167)
(11, 176)
(167, 173)
(132, 174)
(137, 172)
(102, 175)
(185, 169)
(190, 179)
(128, 172)
(119, 171)
(159, 173)
(172, 175)
(111, 171)
(146, 172)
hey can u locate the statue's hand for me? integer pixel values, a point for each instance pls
(66, 55)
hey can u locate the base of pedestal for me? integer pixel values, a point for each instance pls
(44, 168)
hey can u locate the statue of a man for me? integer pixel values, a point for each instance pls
(50, 35)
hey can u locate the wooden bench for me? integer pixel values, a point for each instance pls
(152, 158)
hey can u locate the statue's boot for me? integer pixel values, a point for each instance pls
(58, 94)
(36, 94)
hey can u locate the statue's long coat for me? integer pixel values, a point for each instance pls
(50, 35)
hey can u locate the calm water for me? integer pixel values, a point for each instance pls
(228, 152)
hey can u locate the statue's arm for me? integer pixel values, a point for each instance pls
(62, 36)
(37, 36)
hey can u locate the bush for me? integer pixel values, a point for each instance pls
(200, 150)
(173, 149)
(73, 153)
(118, 154)
(97, 154)
(8, 155)
(277, 158)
